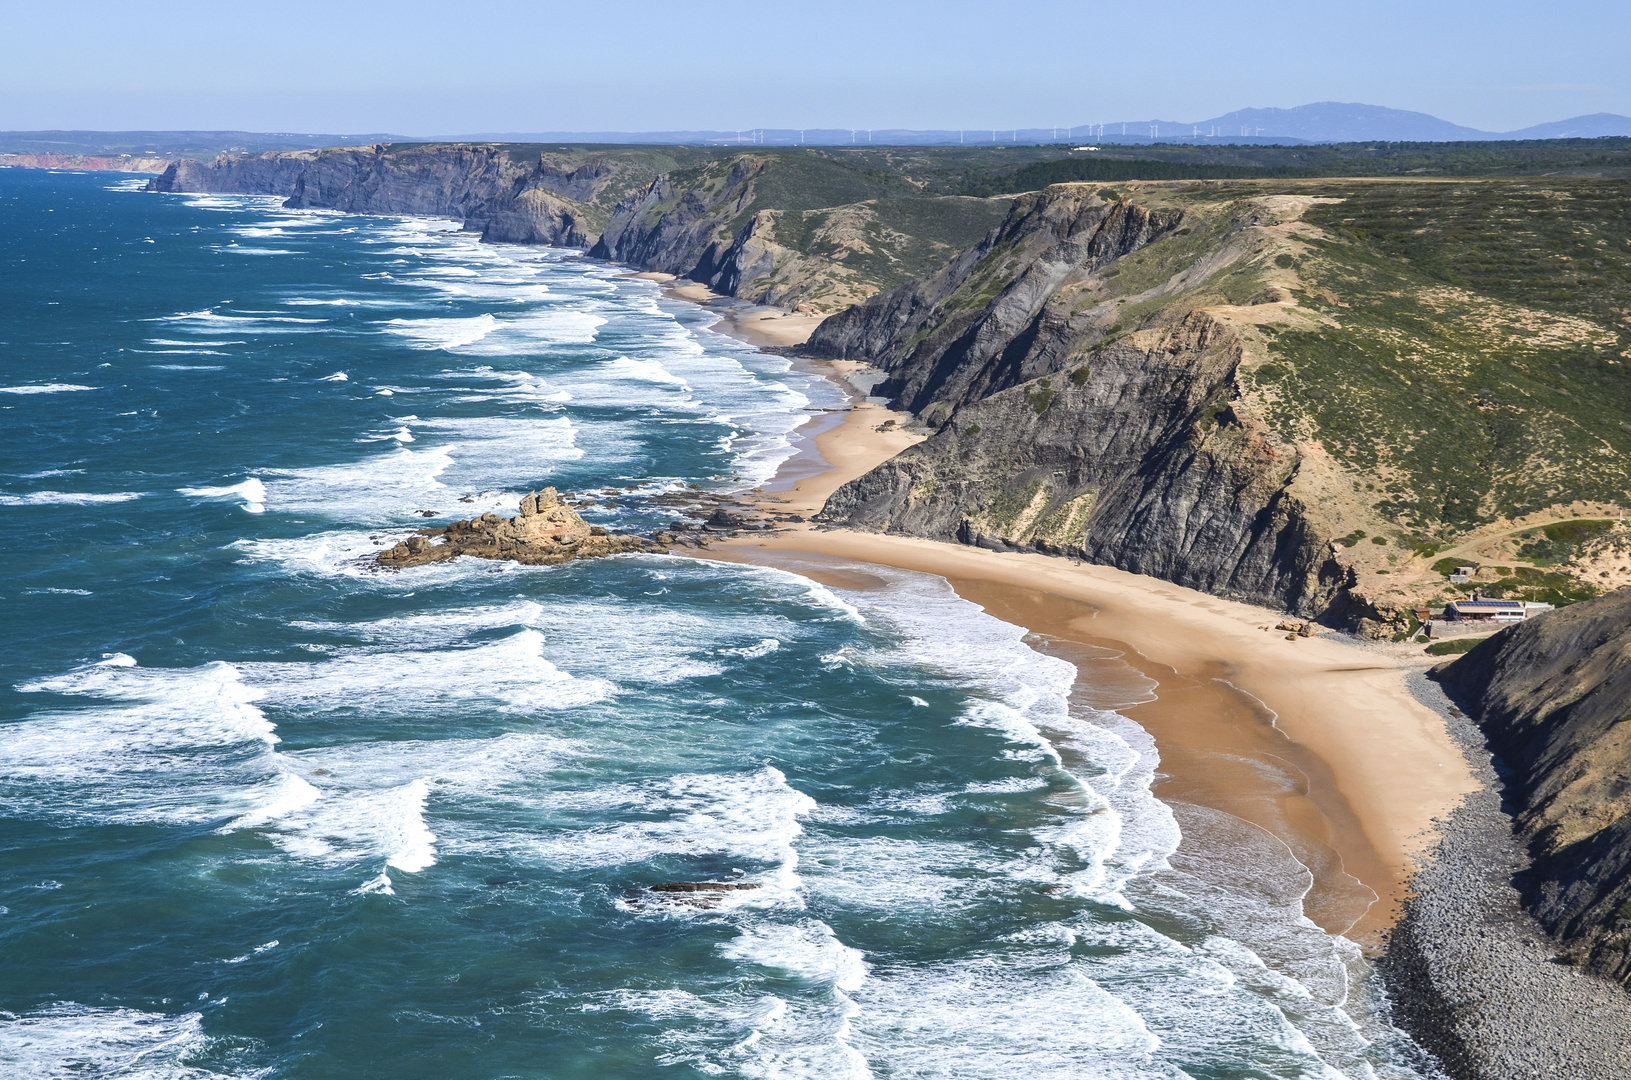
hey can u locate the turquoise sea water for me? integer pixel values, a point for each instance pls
(264, 812)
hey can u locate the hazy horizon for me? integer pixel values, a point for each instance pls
(510, 67)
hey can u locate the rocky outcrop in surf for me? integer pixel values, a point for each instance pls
(545, 532)
(1553, 697)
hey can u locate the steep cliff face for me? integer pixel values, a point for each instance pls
(236, 174)
(678, 225)
(509, 196)
(720, 226)
(1553, 696)
(1069, 425)
(454, 181)
(442, 181)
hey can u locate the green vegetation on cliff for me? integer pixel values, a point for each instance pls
(1472, 351)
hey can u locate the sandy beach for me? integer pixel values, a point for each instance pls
(1316, 740)
(753, 323)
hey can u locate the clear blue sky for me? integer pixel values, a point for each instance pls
(417, 68)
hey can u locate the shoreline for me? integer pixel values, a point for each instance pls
(1318, 741)
(756, 324)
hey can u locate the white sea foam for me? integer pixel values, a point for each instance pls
(209, 319)
(45, 388)
(749, 817)
(510, 674)
(624, 367)
(443, 333)
(68, 498)
(381, 487)
(360, 824)
(764, 647)
(517, 386)
(71, 1040)
(252, 493)
(161, 744)
(338, 376)
(807, 951)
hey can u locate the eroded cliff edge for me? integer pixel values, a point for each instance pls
(1325, 397)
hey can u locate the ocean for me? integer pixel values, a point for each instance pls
(268, 812)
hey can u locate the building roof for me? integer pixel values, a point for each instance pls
(1484, 602)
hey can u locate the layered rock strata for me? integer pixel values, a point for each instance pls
(1066, 424)
(545, 532)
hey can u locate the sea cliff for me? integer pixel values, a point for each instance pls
(1553, 697)
(1068, 428)
(144, 163)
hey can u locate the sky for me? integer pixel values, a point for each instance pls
(415, 68)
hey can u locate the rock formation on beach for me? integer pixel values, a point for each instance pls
(543, 533)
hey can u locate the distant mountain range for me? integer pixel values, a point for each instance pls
(1322, 122)
(1335, 121)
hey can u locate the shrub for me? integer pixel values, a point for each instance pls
(1041, 397)
(1453, 646)
(1080, 376)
